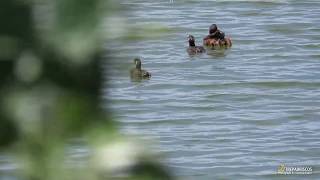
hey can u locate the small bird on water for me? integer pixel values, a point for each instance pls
(137, 73)
(193, 49)
(216, 38)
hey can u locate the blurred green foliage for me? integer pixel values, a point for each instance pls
(50, 83)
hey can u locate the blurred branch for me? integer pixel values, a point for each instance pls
(50, 92)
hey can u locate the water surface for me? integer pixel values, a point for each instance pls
(236, 113)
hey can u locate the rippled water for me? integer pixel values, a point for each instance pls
(236, 113)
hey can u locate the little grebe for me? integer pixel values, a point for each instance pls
(193, 49)
(137, 72)
(216, 38)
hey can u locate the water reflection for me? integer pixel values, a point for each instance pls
(218, 52)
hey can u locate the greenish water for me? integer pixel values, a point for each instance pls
(230, 114)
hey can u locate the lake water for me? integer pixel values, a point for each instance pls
(233, 114)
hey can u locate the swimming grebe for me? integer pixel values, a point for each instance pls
(216, 38)
(193, 49)
(137, 72)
